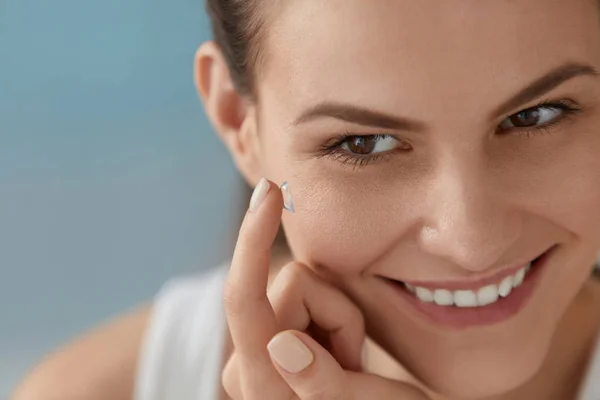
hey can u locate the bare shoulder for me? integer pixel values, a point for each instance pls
(100, 365)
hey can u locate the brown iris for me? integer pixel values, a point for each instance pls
(526, 118)
(363, 145)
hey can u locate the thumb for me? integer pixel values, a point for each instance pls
(309, 369)
(313, 373)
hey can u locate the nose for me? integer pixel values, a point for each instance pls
(467, 221)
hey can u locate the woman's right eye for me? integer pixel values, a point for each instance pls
(369, 145)
(532, 117)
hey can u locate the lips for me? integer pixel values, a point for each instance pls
(479, 297)
(488, 301)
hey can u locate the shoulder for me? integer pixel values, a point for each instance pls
(99, 365)
(160, 351)
(182, 348)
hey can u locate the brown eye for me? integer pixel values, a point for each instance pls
(525, 118)
(362, 144)
(532, 117)
(366, 145)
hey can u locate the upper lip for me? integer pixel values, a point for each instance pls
(473, 283)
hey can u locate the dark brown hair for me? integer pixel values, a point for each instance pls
(237, 27)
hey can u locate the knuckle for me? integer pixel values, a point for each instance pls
(230, 379)
(227, 374)
(293, 270)
(295, 274)
(229, 370)
(288, 280)
(355, 316)
(228, 385)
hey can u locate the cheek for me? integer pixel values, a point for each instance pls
(342, 221)
(334, 229)
(566, 186)
(342, 225)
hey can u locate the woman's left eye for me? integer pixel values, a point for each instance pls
(368, 145)
(532, 117)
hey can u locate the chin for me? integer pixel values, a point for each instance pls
(478, 379)
(484, 370)
(479, 363)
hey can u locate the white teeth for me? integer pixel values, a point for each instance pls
(519, 277)
(487, 295)
(468, 298)
(465, 298)
(506, 286)
(425, 295)
(443, 297)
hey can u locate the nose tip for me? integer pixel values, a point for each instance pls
(474, 247)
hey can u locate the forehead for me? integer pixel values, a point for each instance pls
(374, 51)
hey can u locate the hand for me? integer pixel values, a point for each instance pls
(275, 357)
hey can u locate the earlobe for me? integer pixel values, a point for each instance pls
(230, 113)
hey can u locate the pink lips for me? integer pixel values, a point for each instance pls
(462, 318)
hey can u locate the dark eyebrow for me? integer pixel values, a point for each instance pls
(358, 115)
(546, 83)
(376, 119)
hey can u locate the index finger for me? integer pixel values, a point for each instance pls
(251, 318)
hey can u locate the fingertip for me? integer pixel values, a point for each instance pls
(290, 353)
(309, 369)
(257, 234)
(266, 191)
(260, 193)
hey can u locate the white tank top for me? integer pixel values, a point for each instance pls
(182, 350)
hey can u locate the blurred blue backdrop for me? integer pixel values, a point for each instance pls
(111, 180)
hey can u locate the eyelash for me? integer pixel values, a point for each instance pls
(568, 107)
(334, 149)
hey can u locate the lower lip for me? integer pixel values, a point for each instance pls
(462, 318)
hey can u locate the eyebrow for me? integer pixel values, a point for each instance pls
(366, 117)
(359, 116)
(545, 84)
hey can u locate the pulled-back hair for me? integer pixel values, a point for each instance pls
(237, 27)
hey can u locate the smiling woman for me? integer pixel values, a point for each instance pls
(443, 162)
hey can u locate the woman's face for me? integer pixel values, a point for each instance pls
(445, 144)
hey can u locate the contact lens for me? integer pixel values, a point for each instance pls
(288, 200)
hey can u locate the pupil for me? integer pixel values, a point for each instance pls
(363, 145)
(526, 118)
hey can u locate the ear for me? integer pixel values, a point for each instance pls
(232, 115)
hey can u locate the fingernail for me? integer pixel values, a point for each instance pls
(290, 353)
(260, 193)
(288, 200)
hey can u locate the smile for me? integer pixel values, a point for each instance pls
(466, 304)
(480, 297)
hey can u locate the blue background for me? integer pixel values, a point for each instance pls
(111, 179)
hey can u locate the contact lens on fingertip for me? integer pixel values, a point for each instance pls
(288, 200)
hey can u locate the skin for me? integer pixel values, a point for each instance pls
(101, 365)
(463, 200)
(294, 301)
(466, 199)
